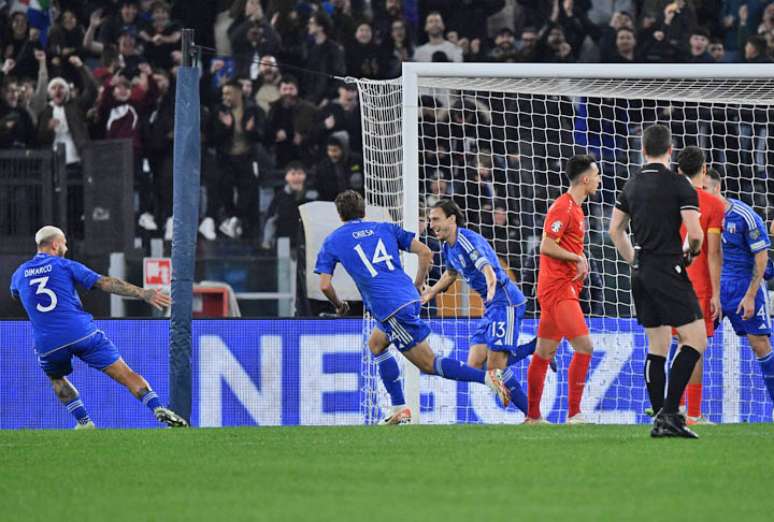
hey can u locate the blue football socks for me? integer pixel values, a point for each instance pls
(390, 374)
(458, 371)
(767, 369)
(78, 410)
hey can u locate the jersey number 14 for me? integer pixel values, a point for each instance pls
(380, 256)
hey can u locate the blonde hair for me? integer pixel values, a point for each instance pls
(46, 234)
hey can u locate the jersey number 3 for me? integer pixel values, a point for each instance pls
(41, 282)
(380, 256)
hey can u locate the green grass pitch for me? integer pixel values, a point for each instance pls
(406, 473)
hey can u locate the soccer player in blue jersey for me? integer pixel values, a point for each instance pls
(469, 255)
(45, 285)
(743, 296)
(370, 253)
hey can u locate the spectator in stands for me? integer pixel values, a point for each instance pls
(16, 127)
(625, 47)
(505, 47)
(283, 218)
(699, 42)
(527, 47)
(385, 15)
(756, 50)
(504, 237)
(341, 118)
(19, 46)
(438, 188)
(64, 119)
(434, 28)
(237, 127)
(162, 37)
(292, 125)
(338, 171)
(737, 14)
(252, 37)
(396, 48)
(35, 94)
(65, 39)
(342, 20)
(605, 11)
(324, 59)
(125, 21)
(575, 25)
(717, 50)
(267, 84)
(552, 45)
(122, 106)
(608, 36)
(363, 55)
(159, 128)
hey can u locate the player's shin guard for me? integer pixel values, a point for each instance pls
(390, 374)
(517, 394)
(536, 377)
(78, 410)
(458, 371)
(767, 369)
(576, 377)
(655, 379)
(679, 374)
(522, 352)
(151, 400)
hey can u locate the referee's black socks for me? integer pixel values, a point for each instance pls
(679, 374)
(655, 378)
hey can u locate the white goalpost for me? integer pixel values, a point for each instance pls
(494, 138)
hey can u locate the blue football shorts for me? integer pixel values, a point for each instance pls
(95, 350)
(731, 294)
(405, 329)
(499, 328)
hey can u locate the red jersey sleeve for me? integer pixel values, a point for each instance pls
(715, 221)
(557, 220)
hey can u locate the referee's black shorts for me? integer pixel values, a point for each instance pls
(663, 294)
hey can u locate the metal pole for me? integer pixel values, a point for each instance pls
(187, 47)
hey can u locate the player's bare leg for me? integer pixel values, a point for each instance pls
(422, 357)
(576, 376)
(761, 346)
(477, 356)
(389, 372)
(120, 372)
(536, 377)
(68, 395)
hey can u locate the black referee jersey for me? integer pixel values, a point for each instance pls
(653, 198)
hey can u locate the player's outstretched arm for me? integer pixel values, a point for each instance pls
(153, 297)
(446, 280)
(425, 256)
(326, 287)
(619, 222)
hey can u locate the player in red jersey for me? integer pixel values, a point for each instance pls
(563, 270)
(704, 271)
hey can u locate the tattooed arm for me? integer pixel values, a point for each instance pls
(113, 285)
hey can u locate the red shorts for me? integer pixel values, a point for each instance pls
(561, 318)
(706, 311)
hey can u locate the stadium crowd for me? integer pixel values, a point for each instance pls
(279, 130)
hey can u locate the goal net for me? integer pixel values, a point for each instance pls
(495, 138)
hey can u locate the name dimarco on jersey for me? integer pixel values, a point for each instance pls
(37, 271)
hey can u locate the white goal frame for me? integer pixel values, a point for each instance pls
(410, 83)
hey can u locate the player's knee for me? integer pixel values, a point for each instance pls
(376, 346)
(760, 345)
(64, 391)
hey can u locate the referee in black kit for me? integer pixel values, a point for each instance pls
(657, 201)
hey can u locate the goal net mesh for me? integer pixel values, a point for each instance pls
(498, 147)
